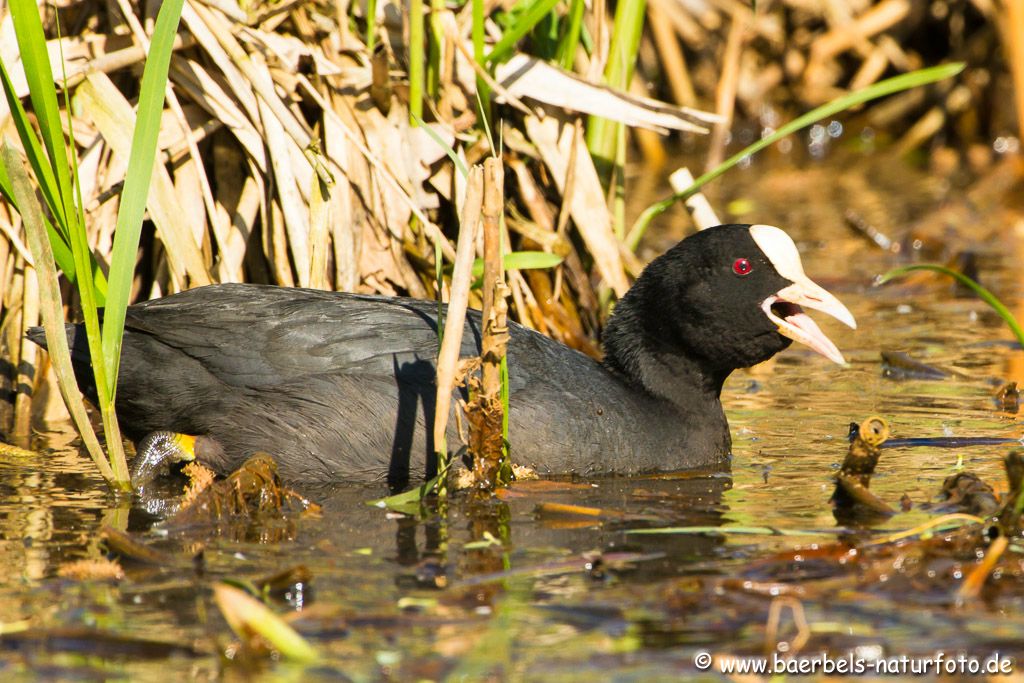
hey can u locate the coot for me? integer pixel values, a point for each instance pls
(341, 386)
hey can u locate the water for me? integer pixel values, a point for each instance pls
(547, 596)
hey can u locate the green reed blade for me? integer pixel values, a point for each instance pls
(889, 86)
(136, 185)
(982, 293)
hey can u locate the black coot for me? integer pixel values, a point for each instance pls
(341, 386)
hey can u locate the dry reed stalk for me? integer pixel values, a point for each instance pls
(1013, 33)
(385, 174)
(599, 28)
(115, 61)
(454, 324)
(27, 355)
(651, 148)
(588, 208)
(673, 62)
(494, 276)
(13, 241)
(485, 412)
(681, 21)
(772, 630)
(113, 115)
(254, 70)
(276, 245)
(350, 223)
(207, 92)
(504, 96)
(871, 69)
(197, 167)
(319, 222)
(52, 313)
(521, 294)
(529, 77)
(933, 120)
(569, 186)
(856, 34)
(293, 208)
(12, 337)
(725, 94)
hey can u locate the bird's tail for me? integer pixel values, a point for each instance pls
(80, 358)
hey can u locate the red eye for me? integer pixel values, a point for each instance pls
(741, 266)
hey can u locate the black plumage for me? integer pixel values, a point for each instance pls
(341, 386)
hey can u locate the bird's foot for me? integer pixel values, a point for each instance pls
(158, 450)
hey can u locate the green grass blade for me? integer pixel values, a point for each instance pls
(52, 171)
(58, 234)
(521, 260)
(603, 134)
(881, 89)
(33, 149)
(417, 59)
(51, 306)
(77, 203)
(483, 91)
(247, 615)
(408, 502)
(725, 531)
(371, 25)
(523, 25)
(61, 251)
(571, 39)
(85, 263)
(28, 28)
(459, 163)
(437, 8)
(43, 93)
(983, 294)
(136, 185)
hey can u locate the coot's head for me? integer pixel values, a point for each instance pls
(724, 298)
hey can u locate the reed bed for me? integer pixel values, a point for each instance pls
(324, 145)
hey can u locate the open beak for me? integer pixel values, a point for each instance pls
(785, 309)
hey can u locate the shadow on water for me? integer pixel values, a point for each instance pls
(552, 580)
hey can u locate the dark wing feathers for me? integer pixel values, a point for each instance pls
(257, 336)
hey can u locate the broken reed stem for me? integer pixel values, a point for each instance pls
(701, 211)
(462, 277)
(494, 272)
(488, 445)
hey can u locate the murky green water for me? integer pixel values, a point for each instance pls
(545, 596)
